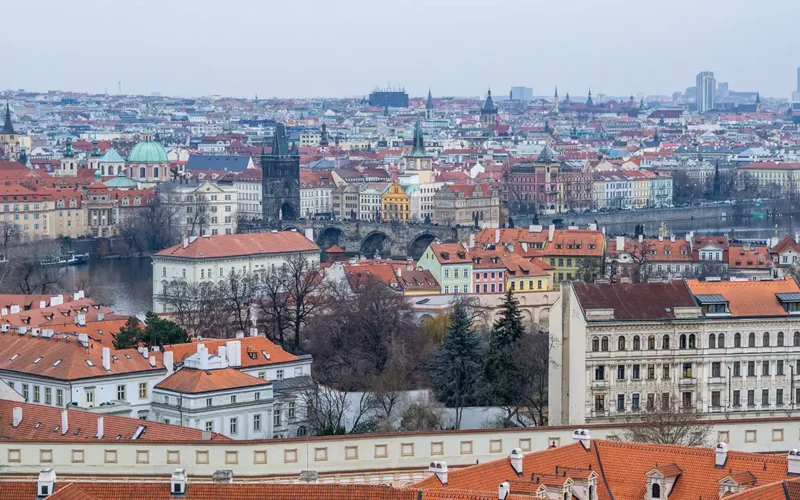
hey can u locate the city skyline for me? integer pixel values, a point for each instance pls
(191, 49)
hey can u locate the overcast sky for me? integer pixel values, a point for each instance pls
(301, 48)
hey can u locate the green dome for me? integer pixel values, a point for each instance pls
(148, 152)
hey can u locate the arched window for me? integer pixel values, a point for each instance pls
(595, 344)
(665, 342)
(692, 341)
(751, 340)
(712, 341)
(796, 339)
(737, 339)
(651, 342)
(721, 341)
(604, 344)
(655, 491)
(765, 340)
(637, 343)
(780, 339)
(621, 343)
(682, 344)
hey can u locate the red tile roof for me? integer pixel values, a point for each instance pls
(237, 245)
(749, 258)
(635, 301)
(191, 381)
(253, 350)
(748, 298)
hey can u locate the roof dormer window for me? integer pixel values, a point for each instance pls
(790, 302)
(713, 304)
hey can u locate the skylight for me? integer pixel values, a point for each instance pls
(89, 362)
(139, 432)
(14, 357)
(57, 362)
(36, 361)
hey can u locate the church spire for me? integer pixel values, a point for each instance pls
(280, 145)
(68, 150)
(95, 148)
(8, 127)
(419, 142)
(323, 136)
(429, 104)
(555, 101)
(589, 101)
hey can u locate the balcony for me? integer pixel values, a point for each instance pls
(687, 382)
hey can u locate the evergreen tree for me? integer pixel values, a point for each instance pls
(159, 331)
(427, 219)
(510, 223)
(500, 374)
(456, 366)
(716, 187)
(128, 335)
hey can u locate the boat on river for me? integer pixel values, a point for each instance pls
(68, 259)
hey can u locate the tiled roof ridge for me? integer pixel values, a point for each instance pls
(602, 471)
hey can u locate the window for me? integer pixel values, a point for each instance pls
(737, 340)
(233, 398)
(751, 340)
(780, 339)
(620, 402)
(257, 423)
(687, 400)
(635, 402)
(600, 372)
(692, 341)
(687, 370)
(595, 340)
(620, 372)
(209, 425)
(779, 367)
(276, 417)
(121, 393)
(48, 396)
(665, 372)
(765, 397)
(209, 401)
(737, 398)
(779, 397)
(25, 392)
(765, 367)
(621, 344)
(257, 396)
(234, 425)
(279, 375)
(59, 397)
(751, 398)
(751, 368)
(637, 343)
(651, 342)
(715, 399)
(796, 339)
(600, 402)
(36, 390)
(635, 372)
(664, 400)
(604, 344)
(765, 340)
(142, 390)
(682, 343)
(712, 341)
(291, 412)
(715, 369)
(721, 341)
(665, 342)
(737, 369)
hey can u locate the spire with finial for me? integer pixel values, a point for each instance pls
(323, 136)
(68, 149)
(429, 103)
(23, 156)
(419, 142)
(758, 97)
(8, 127)
(555, 100)
(589, 101)
(95, 149)
(488, 105)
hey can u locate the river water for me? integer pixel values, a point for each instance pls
(126, 285)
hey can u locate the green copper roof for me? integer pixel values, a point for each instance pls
(121, 181)
(418, 150)
(112, 156)
(148, 152)
(488, 106)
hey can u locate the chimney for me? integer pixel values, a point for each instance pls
(440, 469)
(46, 483)
(641, 238)
(80, 319)
(503, 490)
(399, 272)
(660, 237)
(472, 241)
(177, 487)
(143, 351)
(672, 238)
(309, 232)
(524, 247)
(253, 331)
(83, 338)
(16, 418)
(593, 227)
(516, 461)
(689, 241)
(4, 312)
(101, 315)
(721, 455)
(497, 236)
(584, 437)
(64, 422)
(100, 431)
(222, 352)
(551, 232)
(224, 476)
(203, 358)
(794, 462)
(106, 359)
(42, 304)
(620, 243)
(14, 308)
(169, 363)
(153, 361)
(186, 243)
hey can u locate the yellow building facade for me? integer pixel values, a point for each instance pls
(396, 204)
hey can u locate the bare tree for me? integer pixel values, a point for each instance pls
(197, 214)
(272, 303)
(532, 355)
(28, 272)
(198, 308)
(237, 292)
(669, 425)
(303, 283)
(331, 411)
(424, 414)
(10, 233)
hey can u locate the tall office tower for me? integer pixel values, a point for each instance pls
(706, 91)
(798, 79)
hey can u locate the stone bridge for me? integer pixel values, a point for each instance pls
(389, 239)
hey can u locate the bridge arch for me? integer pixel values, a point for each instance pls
(417, 246)
(329, 236)
(376, 242)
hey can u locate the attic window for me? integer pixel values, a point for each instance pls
(89, 362)
(77, 431)
(128, 356)
(139, 432)
(252, 354)
(558, 245)
(36, 361)
(119, 436)
(37, 425)
(55, 429)
(57, 362)
(14, 357)
(115, 358)
(790, 302)
(591, 246)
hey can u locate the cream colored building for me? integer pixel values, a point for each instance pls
(204, 208)
(786, 176)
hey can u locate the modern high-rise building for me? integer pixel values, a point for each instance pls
(798, 79)
(706, 91)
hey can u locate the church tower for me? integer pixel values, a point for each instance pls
(10, 141)
(555, 101)
(589, 101)
(429, 107)
(419, 161)
(489, 112)
(323, 137)
(281, 180)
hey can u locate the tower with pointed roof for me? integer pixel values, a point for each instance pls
(489, 112)
(429, 107)
(555, 101)
(11, 143)
(69, 163)
(589, 101)
(281, 180)
(323, 137)
(418, 161)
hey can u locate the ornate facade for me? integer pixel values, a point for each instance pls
(281, 180)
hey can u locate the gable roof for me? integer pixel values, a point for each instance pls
(191, 381)
(634, 301)
(748, 298)
(238, 245)
(229, 163)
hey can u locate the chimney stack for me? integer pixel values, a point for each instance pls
(169, 362)
(516, 461)
(100, 431)
(440, 469)
(551, 232)
(620, 244)
(309, 232)
(203, 358)
(497, 236)
(672, 238)
(721, 455)
(46, 483)
(16, 418)
(83, 338)
(503, 490)
(178, 483)
(794, 462)
(106, 359)
(153, 361)
(64, 422)
(584, 437)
